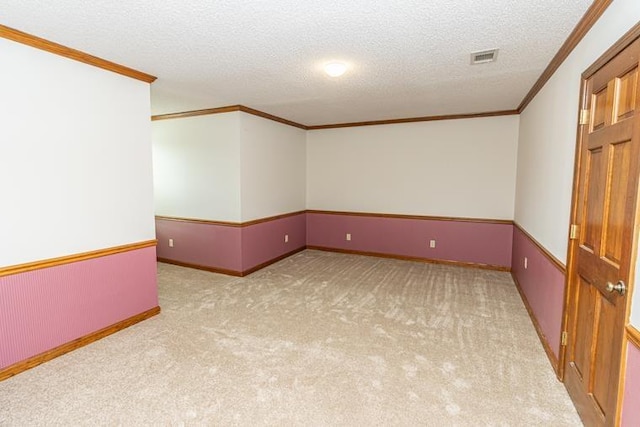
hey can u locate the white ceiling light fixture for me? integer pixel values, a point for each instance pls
(335, 68)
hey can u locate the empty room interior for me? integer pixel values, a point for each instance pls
(304, 213)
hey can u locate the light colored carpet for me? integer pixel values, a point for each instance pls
(317, 339)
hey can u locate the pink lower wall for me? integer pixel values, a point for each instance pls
(264, 242)
(43, 309)
(542, 283)
(461, 241)
(203, 244)
(631, 398)
(229, 247)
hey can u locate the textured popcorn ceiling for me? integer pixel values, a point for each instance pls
(407, 58)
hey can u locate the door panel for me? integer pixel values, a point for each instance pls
(599, 109)
(593, 202)
(618, 200)
(627, 87)
(605, 317)
(605, 211)
(584, 329)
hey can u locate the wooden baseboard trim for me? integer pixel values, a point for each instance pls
(235, 273)
(409, 258)
(54, 262)
(543, 339)
(633, 335)
(201, 267)
(41, 358)
(273, 261)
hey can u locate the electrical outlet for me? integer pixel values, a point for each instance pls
(432, 243)
(526, 263)
(348, 236)
(170, 243)
(286, 238)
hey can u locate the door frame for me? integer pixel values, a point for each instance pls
(570, 287)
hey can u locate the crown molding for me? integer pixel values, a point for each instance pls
(227, 109)
(195, 113)
(415, 119)
(590, 17)
(58, 49)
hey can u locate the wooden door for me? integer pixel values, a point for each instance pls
(602, 257)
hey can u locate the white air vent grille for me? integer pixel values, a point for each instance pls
(484, 56)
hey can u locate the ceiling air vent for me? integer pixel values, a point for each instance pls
(484, 56)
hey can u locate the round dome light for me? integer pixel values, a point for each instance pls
(335, 69)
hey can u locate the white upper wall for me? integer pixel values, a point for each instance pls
(548, 135)
(457, 168)
(196, 167)
(273, 157)
(75, 157)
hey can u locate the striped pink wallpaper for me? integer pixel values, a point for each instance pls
(43, 309)
(542, 284)
(201, 244)
(265, 241)
(481, 243)
(631, 397)
(232, 248)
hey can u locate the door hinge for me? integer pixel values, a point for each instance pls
(563, 340)
(585, 117)
(573, 231)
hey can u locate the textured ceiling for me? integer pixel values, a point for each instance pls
(407, 58)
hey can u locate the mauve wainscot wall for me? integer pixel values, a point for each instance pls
(542, 285)
(45, 308)
(230, 248)
(264, 242)
(200, 244)
(482, 243)
(630, 407)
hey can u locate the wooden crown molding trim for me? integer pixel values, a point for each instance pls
(628, 38)
(229, 223)
(420, 217)
(415, 119)
(41, 358)
(227, 109)
(633, 335)
(58, 49)
(244, 109)
(582, 28)
(272, 117)
(54, 262)
(195, 113)
(555, 261)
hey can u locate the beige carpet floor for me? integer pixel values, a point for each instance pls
(317, 339)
